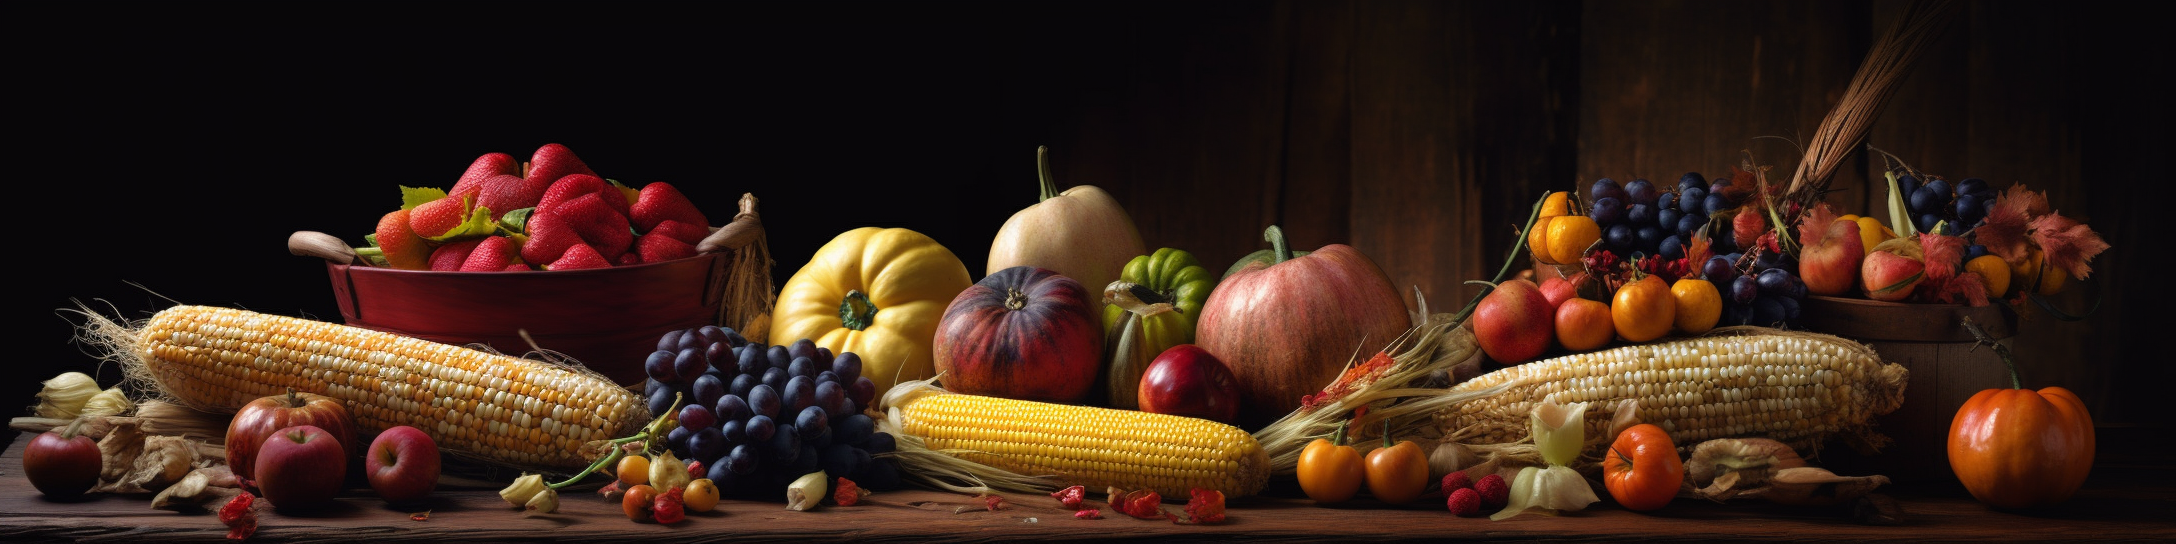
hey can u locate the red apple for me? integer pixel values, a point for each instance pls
(1286, 323)
(1558, 290)
(402, 464)
(257, 420)
(1021, 333)
(1889, 276)
(1829, 264)
(61, 463)
(1188, 381)
(1514, 323)
(301, 468)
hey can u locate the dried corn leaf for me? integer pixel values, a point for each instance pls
(119, 449)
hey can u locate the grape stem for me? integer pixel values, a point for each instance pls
(654, 429)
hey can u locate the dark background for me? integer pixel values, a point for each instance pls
(175, 148)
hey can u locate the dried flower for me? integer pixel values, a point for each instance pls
(524, 488)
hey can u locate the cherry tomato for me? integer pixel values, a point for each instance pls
(1330, 471)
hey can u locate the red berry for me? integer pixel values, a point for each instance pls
(1494, 492)
(1464, 502)
(1456, 480)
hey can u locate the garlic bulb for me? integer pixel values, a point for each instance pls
(110, 402)
(64, 395)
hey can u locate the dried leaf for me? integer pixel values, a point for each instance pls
(1943, 255)
(2007, 222)
(119, 450)
(1818, 225)
(163, 461)
(2067, 243)
(1724, 464)
(1813, 486)
(193, 491)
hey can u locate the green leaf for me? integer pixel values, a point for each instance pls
(410, 197)
(1900, 216)
(517, 221)
(371, 255)
(371, 239)
(478, 224)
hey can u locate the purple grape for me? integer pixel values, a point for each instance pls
(1927, 222)
(707, 445)
(847, 366)
(1969, 209)
(1926, 200)
(677, 440)
(1974, 251)
(764, 401)
(824, 354)
(863, 392)
(742, 460)
(1738, 314)
(785, 444)
(827, 376)
(1605, 188)
(1790, 309)
(1649, 237)
(1672, 249)
(1767, 312)
(776, 378)
(1666, 201)
(1972, 186)
(1716, 203)
(800, 393)
(778, 357)
(733, 337)
(853, 429)
(721, 473)
(1716, 185)
(1667, 218)
(840, 459)
(759, 429)
(832, 397)
(689, 365)
(720, 357)
(742, 384)
(1744, 289)
(1691, 179)
(751, 359)
(697, 416)
(661, 399)
(1693, 201)
(846, 406)
(689, 340)
(732, 408)
(1620, 236)
(712, 334)
(802, 367)
(1641, 214)
(1907, 184)
(802, 348)
(650, 386)
(736, 432)
(882, 443)
(1691, 223)
(814, 423)
(670, 341)
(708, 389)
(1640, 192)
(1774, 281)
(1608, 211)
(1719, 270)
(659, 366)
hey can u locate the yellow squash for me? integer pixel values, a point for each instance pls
(876, 292)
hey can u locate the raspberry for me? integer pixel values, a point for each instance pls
(1456, 480)
(1464, 502)
(1493, 491)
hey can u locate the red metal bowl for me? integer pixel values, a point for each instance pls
(609, 319)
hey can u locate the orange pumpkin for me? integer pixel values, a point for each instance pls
(1641, 468)
(2019, 448)
(1644, 309)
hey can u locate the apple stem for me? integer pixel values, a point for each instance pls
(1281, 250)
(2000, 350)
(74, 428)
(1042, 169)
(294, 398)
(1510, 258)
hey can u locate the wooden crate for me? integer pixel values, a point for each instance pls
(1947, 367)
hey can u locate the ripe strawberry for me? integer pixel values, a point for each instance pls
(554, 161)
(517, 267)
(505, 193)
(661, 202)
(580, 257)
(448, 258)
(492, 254)
(657, 248)
(576, 186)
(628, 258)
(403, 249)
(549, 238)
(1464, 502)
(583, 220)
(685, 232)
(435, 218)
(491, 164)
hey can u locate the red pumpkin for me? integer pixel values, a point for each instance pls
(2019, 448)
(1286, 326)
(1021, 333)
(259, 419)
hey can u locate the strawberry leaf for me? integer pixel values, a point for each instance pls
(410, 197)
(478, 224)
(517, 221)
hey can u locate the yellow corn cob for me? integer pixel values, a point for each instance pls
(1075, 445)
(510, 410)
(1794, 387)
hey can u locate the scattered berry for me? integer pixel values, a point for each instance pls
(1457, 480)
(1494, 492)
(1464, 502)
(1071, 497)
(1088, 513)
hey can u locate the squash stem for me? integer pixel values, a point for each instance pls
(1282, 251)
(2001, 350)
(1042, 168)
(856, 312)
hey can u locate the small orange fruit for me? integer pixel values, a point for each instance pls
(1584, 325)
(634, 470)
(1994, 273)
(1644, 309)
(701, 496)
(1699, 305)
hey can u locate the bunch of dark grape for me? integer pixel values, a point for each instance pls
(1767, 292)
(1639, 217)
(1961, 206)
(758, 417)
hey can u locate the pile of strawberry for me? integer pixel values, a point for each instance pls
(552, 213)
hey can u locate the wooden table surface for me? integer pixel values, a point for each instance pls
(2128, 499)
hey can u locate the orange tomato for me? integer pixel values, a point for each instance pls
(1398, 473)
(637, 501)
(1642, 470)
(1584, 325)
(1331, 472)
(2019, 448)
(1644, 309)
(1699, 305)
(633, 470)
(1558, 237)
